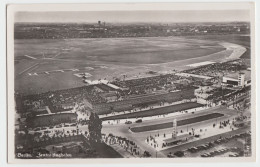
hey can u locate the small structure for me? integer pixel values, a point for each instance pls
(174, 123)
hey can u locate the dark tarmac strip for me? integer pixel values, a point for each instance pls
(179, 123)
(156, 111)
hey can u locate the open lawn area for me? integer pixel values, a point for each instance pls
(243, 40)
(119, 56)
(126, 50)
(105, 151)
(179, 123)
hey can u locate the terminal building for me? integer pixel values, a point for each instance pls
(237, 79)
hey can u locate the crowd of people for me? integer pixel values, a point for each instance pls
(238, 93)
(218, 69)
(145, 85)
(66, 99)
(58, 100)
(126, 144)
(45, 134)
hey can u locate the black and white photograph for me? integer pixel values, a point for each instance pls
(146, 81)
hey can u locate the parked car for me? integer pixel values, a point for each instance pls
(212, 154)
(128, 122)
(179, 153)
(170, 155)
(233, 155)
(206, 146)
(210, 144)
(194, 149)
(205, 155)
(197, 136)
(139, 121)
(218, 141)
(201, 147)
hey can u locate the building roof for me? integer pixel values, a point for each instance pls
(235, 75)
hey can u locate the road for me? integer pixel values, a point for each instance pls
(122, 129)
(139, 138)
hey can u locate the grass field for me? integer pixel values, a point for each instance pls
(157, 111)
(242, 40)
(129, 56)
(179, 123)
(122, 50)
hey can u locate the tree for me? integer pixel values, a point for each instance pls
(94, 127)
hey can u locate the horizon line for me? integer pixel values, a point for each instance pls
(142, 22)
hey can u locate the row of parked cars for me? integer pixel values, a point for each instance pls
(235, 152)
(176, 154)
(217, 142)
(137, 121)
(201, 147)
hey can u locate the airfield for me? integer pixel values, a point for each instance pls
(46, 64)
(49, 65)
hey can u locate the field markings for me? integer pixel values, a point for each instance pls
(30, 57)
(59, 70)
(56, 55)
(32, 69)
(28, 68)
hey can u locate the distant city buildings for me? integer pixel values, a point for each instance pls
(101, 29)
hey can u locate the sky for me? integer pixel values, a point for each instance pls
(135, 16)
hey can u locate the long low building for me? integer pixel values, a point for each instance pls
(52, 119)
(127, 104)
